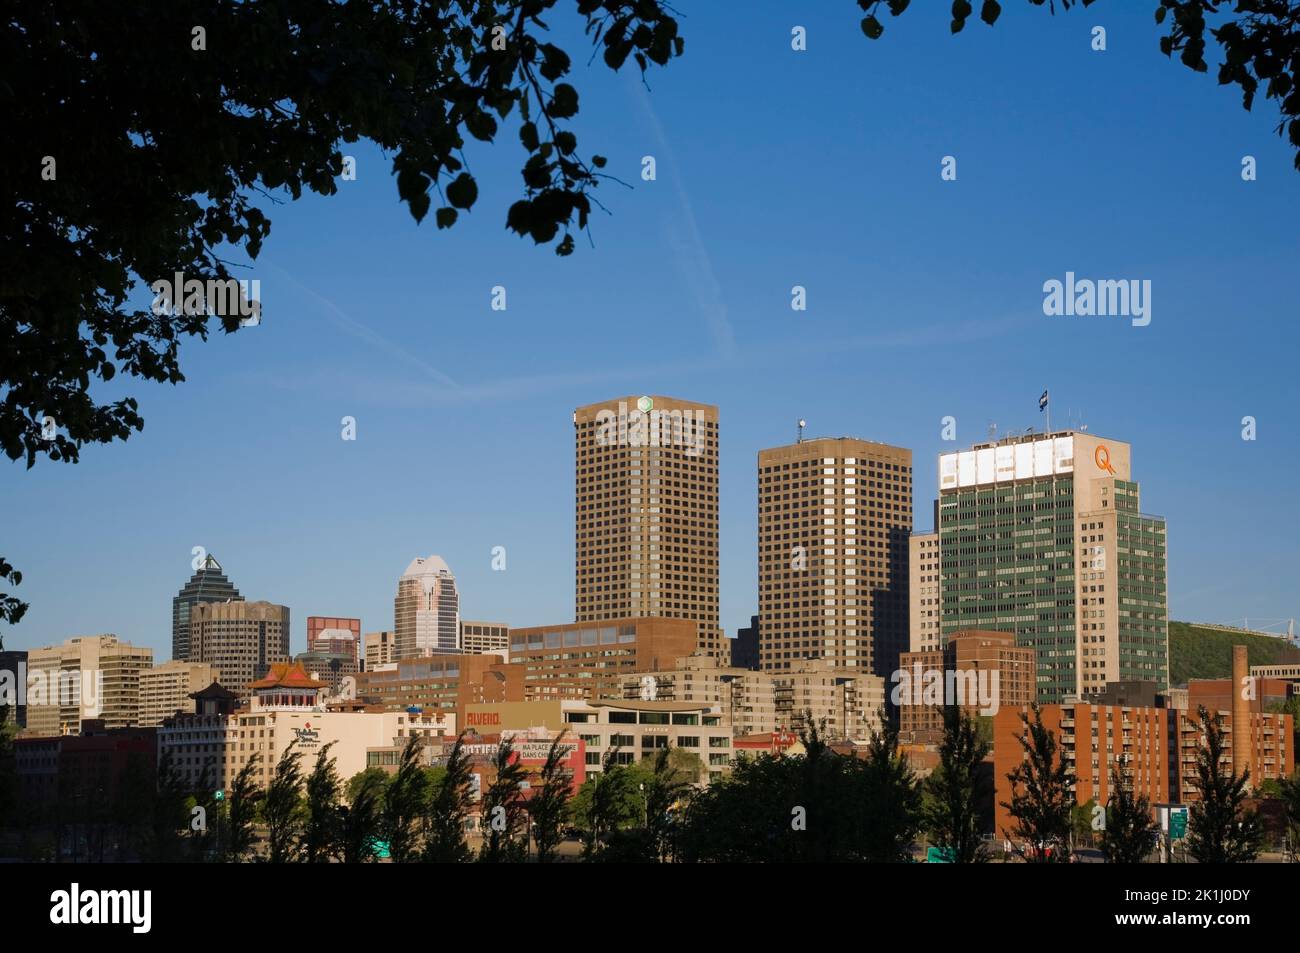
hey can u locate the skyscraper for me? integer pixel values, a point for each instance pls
(426, 610)
(1042, 536)
(85, 677)
(834, 517)
(646, 513)
(208, 584)
(240, 639)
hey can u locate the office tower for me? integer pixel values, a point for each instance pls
(1042, 536)
(426, 610)
(834, 517)
(169, 688)
(479, 637)
(334, 635)
(381, 648)
(240, 639)
(923, 592)
(208, 584)
(91, 677)
(646, 513)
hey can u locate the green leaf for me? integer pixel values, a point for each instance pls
(872, 28)
(462, 191)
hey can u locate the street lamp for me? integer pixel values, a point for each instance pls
(644, 804)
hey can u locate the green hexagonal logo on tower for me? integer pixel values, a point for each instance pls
(644, 404)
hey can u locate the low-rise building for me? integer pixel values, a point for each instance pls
(169, 688)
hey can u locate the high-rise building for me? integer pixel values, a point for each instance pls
(1042, 536)
(426, 610)
(381, 648)
(834, 517)
(241, 639)
(168, 688)
(90, 677)
(479, 637)
(923, 592)
(334, 636)
(646, 513)
(208, 584)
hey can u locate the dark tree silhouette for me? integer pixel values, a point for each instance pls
(547, 807)
(322, 833)
(1130, 830)
(957, 790)
(444, 840)
(283, 809)
(1220, 828)
(502, 817)
(405, 801)
(1042, 792)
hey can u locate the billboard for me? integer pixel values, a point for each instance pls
(1049, 456)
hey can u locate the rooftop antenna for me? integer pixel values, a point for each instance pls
(802, 423)
(993, 431)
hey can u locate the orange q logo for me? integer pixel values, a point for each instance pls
(1102, 457)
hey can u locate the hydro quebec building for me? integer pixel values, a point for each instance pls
(1043, 536)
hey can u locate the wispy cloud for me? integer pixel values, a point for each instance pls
(369, 335)
(688, 245)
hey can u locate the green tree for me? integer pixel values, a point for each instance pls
(8, 765)
(283, 809)
(1041, 792)
(892, 799)
(241, 814)
(957, 790)
(1220, 828)
(502, 815)
(448, 810)
(322, 832)
(1290, 794)
(605, 804)
(361, 819)
(373, 779)
(669, 789)
(404, 805)
(1130, 829)
(547, 807)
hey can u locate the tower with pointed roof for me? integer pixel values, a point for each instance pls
(208, 584)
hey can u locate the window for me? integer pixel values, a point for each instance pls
(680, 718)
(622, 718)
(719, 742)
(654, 717)
(621, 741)
(688, 741)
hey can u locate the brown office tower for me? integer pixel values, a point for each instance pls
(240, 639)
(646, 513)
(834, 517)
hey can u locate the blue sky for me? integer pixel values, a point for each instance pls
(775, 168)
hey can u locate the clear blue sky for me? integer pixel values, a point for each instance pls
(776, 168)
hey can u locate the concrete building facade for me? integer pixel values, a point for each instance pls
(167, 688)
(240, 639)
(426, 610)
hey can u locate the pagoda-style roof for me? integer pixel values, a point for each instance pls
(287, 675)
(213, 692)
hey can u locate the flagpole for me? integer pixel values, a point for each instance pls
(1048, 392)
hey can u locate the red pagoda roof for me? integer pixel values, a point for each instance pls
(287, 675)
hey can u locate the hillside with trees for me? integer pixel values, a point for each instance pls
(1199, 652)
